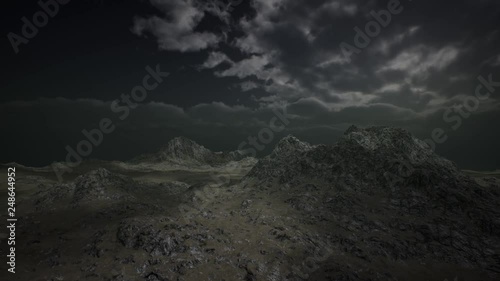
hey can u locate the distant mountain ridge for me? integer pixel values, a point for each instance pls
(184, 151)
(360, 153)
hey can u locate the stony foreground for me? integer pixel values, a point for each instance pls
(378, 205)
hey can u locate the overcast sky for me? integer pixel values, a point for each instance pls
(229, 68)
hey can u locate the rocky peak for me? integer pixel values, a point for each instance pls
(352, 128)
(183, 142)
(290, 145)
(181, 148)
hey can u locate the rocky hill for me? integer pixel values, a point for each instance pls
(377, 155)
(397, 198)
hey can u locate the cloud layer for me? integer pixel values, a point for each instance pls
(425, 57)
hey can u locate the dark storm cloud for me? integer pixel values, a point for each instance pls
(175, 31)
(432, 51)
